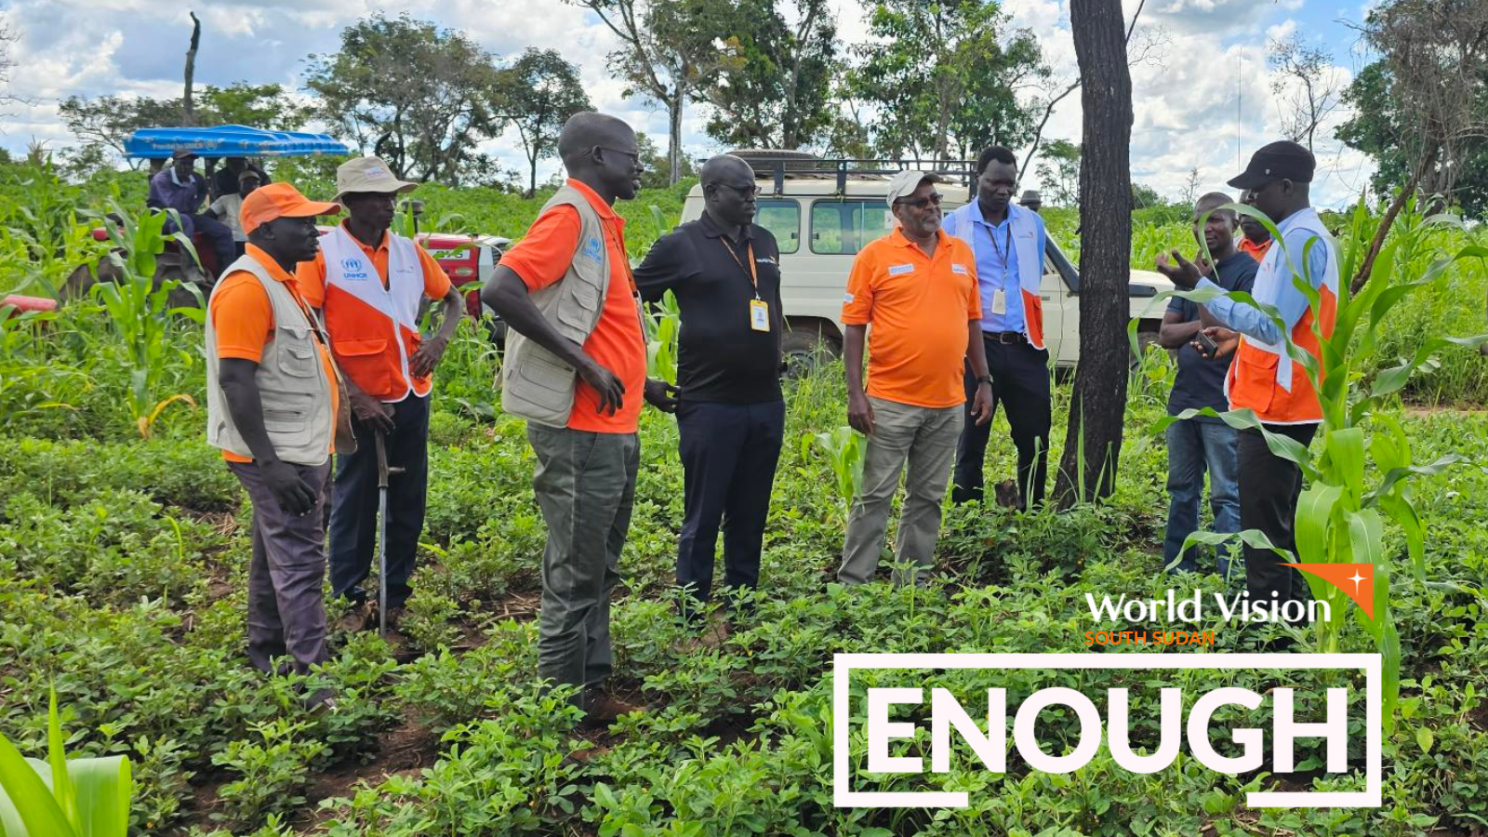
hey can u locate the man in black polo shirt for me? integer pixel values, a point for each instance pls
(726, 274)
(1202, 443)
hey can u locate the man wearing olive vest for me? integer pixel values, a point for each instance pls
(1263, 378)
(274, 407)
(576, 370)
(369, 282)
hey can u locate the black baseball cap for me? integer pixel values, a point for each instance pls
(1277, 161)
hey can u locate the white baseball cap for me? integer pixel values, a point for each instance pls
(905, 182)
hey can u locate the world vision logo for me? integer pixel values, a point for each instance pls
(1355, 580)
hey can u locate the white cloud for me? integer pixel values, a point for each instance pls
(1202, 100)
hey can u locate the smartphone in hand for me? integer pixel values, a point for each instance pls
(1207, 347)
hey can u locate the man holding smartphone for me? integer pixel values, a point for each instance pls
(1203, 443)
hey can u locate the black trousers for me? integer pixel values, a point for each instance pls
(729, 453)
(354, 504)
(1269, 488)
(1020, 384)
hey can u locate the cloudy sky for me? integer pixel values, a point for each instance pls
(1202, 97)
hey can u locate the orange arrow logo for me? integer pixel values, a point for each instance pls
(1355, 580)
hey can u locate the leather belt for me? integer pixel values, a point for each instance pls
(1006, 338)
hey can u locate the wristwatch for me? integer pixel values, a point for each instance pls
(985, 379)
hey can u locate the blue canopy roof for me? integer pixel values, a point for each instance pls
(229, 141)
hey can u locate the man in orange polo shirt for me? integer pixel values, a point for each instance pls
(274, 408)
(576, 370)
(370, 282)
(917, 289)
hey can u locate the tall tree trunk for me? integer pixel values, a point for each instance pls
(1367, 265)
(674, 138)
(1092, 446)
(188, 115)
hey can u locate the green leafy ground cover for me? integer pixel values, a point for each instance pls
(122, 570)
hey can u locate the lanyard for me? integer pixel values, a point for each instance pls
(752, 271)
(1002, 252)
(635, 295)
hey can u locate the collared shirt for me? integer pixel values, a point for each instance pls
(1250, 320)
(917, 308)
(244, 319)
(722, 358)
(312, 274)
(229, 209)
(1200, 382)
(1252, 249)
(997, 269)
(542, 258)
(167, 192)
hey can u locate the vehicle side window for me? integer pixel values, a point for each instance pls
(783, 219)
(841, 228)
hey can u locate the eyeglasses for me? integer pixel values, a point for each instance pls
(742, 191)
(635, 156)
(920, 203)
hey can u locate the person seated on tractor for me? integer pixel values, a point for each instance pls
(224, 181)
(179, 187)
(227, 207)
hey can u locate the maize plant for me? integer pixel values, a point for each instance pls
(139, 312)
(663, 327)
(844, 448)
(61, 797)
(1341, 514)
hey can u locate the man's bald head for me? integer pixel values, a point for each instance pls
(728, 191)
(723, 168)
(600, 151)
(583, 131)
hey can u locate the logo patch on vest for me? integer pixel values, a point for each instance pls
(352, 270)
(593, 249)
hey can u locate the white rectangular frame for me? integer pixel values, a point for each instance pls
(844, 664)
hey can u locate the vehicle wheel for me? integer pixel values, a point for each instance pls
(806, 351)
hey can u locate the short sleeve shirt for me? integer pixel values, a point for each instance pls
(917, 308)
(722, 357)
(1200, 381)
(311, 276)
(542, 258)
(243, 318)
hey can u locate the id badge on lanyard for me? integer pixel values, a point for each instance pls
(759, 310)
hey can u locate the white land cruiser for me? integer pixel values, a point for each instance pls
(822, 212)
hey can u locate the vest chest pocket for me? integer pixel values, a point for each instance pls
(296, 352)
(580, 306)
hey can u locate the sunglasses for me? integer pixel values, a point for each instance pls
(920, 203)
(742, 191)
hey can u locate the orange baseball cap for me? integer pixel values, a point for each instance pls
(280, 200)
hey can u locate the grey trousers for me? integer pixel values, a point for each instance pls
(926, 438)
(286, 603)
(585, 486)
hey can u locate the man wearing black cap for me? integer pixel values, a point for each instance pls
(1262, 377)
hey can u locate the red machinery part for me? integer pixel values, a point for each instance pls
(28, 303)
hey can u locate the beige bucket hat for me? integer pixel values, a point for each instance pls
(368, 174)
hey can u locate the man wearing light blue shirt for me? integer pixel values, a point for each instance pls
(1009, 243)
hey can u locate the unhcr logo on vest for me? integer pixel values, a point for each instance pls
(593, 249)
(352, 270)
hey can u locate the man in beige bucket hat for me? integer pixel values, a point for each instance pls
(370, 282)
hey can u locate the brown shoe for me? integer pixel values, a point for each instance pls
(362, 617)
(602, 708)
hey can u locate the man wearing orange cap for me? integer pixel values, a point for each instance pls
(275, 408)
(370, 283)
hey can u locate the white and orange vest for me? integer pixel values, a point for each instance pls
(374, 329)
(1262, 378)
(1029, 241)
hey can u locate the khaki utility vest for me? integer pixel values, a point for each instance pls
(536, 384)
(292, 384)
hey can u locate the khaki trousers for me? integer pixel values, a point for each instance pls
(925, 437)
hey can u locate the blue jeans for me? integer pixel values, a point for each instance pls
(1193, 447)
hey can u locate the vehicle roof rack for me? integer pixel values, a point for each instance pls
(778, 166)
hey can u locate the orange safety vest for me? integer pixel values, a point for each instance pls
(374, 328)
(1262, 378)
